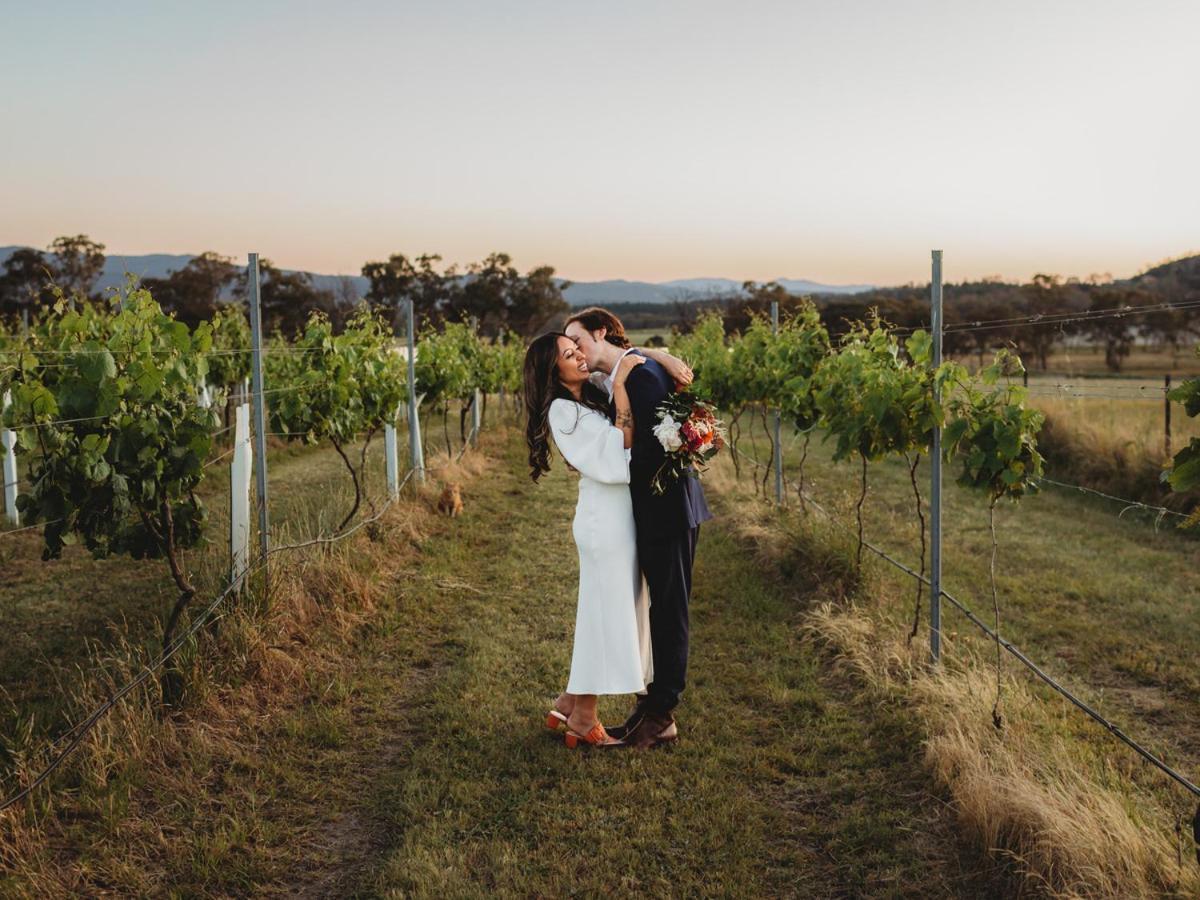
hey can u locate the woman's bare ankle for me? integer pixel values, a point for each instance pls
(584, 715)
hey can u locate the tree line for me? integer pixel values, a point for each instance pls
(1048, 296)
(497, 298)
(493, 294)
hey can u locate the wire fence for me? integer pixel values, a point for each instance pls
(994, 635)
(73, 738)
(1059, 319)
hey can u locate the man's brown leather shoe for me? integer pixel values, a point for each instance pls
(654, 730)
(620, 732)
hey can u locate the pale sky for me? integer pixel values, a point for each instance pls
(837, 141)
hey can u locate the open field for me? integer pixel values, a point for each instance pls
(1111, 435)
(1142, 361)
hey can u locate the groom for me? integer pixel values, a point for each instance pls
(667, 525)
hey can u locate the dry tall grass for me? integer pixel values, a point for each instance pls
(1065, 812)
(99, 822)
(1114, 445)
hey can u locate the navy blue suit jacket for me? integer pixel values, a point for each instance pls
(682, 505)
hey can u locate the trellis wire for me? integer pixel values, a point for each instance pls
(1013, 650)
(1055, 318)
(80, 730)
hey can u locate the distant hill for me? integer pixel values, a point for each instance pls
(160, 265)
(581, 293)
(618, 291)
(1182, 273)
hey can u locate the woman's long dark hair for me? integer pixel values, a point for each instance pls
(542, 388)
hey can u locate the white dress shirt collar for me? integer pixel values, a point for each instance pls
(608, 378)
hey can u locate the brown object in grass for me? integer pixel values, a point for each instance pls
(450, 502)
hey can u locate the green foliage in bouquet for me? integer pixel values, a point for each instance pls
(690, 433)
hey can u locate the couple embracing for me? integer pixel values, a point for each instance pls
(596, 398)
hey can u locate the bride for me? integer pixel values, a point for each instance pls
(611, 653)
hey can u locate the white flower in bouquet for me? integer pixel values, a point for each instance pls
(667, 432)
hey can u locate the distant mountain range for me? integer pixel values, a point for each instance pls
(580, 293)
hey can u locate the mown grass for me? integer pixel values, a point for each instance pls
(780, 785)
(404, 755)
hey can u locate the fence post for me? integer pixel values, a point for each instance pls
(416, 453)
(476, 420)
(239, 497)
(500, 399)
(1166, 415)
(935, 504)
(778, 461)
(476, 399)
(389, 452)
(9, 438)
(260, 415)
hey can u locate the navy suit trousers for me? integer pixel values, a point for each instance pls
(667, 565)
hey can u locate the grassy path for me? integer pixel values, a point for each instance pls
(406, 757)
(780, 784)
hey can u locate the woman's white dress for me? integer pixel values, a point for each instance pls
(612, 622)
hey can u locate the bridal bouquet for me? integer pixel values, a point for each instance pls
(690, 432)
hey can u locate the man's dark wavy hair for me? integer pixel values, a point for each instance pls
(596, 317)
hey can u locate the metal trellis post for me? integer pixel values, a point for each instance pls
(260, 416)
(935, 499)
(390, 457)
(778, 454)
(476, 398)
(239, 497)
(416, 454)
(9, 438)
(1167, 415)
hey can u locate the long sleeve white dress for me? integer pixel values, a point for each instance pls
(612, 652)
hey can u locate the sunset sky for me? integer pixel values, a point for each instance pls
(641, 140)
